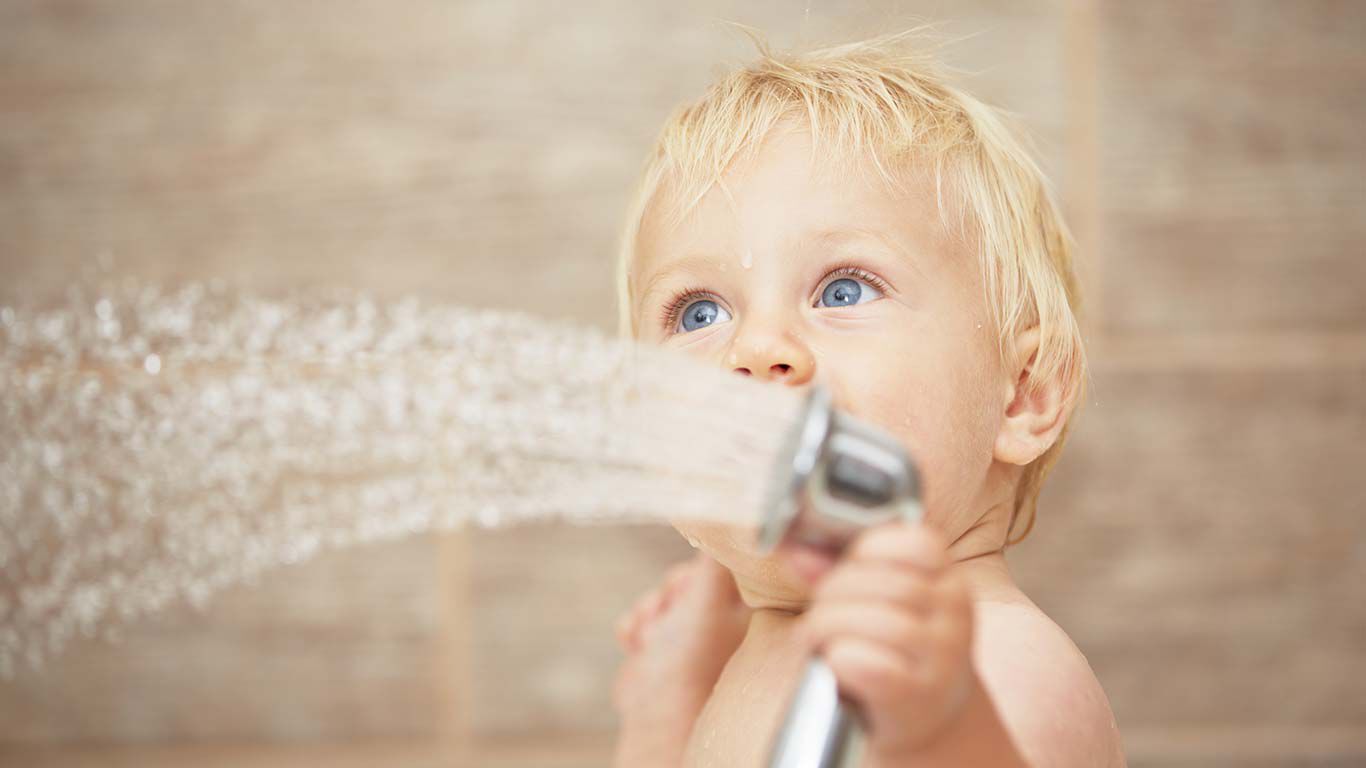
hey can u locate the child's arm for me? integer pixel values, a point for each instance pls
(677, 640)
(975, 737)
(897, 629)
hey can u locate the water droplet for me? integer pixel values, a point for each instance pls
(747, 260)
(692, 542)
(152, 364)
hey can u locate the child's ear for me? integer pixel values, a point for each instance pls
(1033, 419)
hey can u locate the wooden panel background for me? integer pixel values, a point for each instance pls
(1202, 540)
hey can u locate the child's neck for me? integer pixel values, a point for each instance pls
(976, 557)
(985, 535)
(976, 552)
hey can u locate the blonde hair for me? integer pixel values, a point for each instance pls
(879, 99)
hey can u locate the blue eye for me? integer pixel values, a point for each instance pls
(846, 292)
(701, 314)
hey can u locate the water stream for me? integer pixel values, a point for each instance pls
(160, 445)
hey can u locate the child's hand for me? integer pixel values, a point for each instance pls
(648, 607)
(896, 630)
(677, 639)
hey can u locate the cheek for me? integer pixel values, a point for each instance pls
(937, 400)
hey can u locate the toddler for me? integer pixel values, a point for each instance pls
(845, 218)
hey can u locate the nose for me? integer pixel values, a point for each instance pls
(772, 354)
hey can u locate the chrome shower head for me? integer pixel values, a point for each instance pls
(836, 476)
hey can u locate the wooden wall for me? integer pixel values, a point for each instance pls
(1203, 541)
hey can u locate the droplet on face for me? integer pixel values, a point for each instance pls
(152, 364)
(692, 542)
(747, 260)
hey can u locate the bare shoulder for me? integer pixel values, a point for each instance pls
(1043, 688)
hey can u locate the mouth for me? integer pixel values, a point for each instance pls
(809, 561)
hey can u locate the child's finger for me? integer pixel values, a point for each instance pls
(874, 581)
(629, 632)
(871, 674)
(644, 610)
(905, 544)
(677, 578)
(627, 638)
(903, 634)
(650, 604)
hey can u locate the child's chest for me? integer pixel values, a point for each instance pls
(737, 726)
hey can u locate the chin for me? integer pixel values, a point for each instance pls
(771, 583)
(780, 580)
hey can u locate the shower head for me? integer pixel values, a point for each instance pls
(835, 476)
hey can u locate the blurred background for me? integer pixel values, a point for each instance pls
(1202, 541)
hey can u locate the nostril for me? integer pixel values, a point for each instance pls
(743, 371)
(781, 369)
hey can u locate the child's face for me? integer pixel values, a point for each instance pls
(808, 276)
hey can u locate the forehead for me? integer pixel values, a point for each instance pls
(788, 192)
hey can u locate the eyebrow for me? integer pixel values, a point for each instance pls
(699, 262)
(907, 255)
(685, 264)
